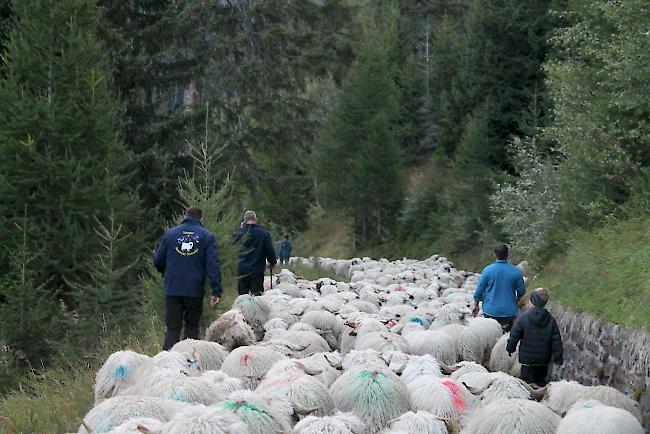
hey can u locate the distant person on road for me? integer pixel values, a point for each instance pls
(500, 287)
(185, 255)
(539, 340)
(256, 249)
(285, 250)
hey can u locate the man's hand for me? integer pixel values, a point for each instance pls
(214, 301)
(475, 308)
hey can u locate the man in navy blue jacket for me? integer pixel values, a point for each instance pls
(256, 249)
(187, 253)
(500, 287)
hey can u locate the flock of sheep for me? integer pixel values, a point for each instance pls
(394, 351)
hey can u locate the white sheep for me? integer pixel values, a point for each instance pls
(376, 396)
(289, 379)
(512, 416)
(209, 355)
(255, 311)
(382, 341)
(205, 421)
(420, 422)
(500, 360)
(561, 395)
(250, 363)
(138, 425)
(113, 412)
(230, 330)
(594, 418)
(339, 423)
(419, 366)
(436, 343)
(488, 330)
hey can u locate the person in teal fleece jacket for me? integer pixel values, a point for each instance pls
(500, 287)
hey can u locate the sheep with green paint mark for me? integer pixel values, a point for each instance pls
(261, 414)
(375, 395)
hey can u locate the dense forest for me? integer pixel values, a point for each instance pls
(420, 126)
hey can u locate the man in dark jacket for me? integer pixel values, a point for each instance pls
(187, 253)
(539, 340)
(256, 249)
(285, 250)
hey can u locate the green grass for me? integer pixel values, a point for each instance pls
(605, 272)
(54, 400)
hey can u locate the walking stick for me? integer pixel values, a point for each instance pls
(271, 276)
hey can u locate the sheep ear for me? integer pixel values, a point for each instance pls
(475, 390)
(537, 393)
(448, 370)
(86, 427)
(144, 429)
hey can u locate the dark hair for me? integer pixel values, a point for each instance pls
(286, 236)
(194, 213)
(539, 297)
(501, 251)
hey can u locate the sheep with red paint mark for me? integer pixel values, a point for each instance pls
(442, 397)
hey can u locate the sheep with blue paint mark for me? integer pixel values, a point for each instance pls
(121, 370)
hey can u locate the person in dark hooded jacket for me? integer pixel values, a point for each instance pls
(539, 340)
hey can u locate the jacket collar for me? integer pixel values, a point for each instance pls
(501, 261)
(192, 222)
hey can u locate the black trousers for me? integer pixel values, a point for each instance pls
(536, 374)
(505, 321)
(179, 310)
(251, 283)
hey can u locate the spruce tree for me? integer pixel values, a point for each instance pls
(61, 127)
(359, 163)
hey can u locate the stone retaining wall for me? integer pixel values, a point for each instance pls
(599, 352)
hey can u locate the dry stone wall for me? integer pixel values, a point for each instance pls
(599, 352)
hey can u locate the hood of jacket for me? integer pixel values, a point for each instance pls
(539, 316)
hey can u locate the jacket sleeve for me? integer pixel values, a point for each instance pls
(556, 345)
(213, 266)
(160, 257)
(516, 334)
(521, 286)
(479, 294)
(269, 251)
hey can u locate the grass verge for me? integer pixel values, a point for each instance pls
(605, 272)
(54, 400)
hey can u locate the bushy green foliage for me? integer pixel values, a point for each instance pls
(583, 165)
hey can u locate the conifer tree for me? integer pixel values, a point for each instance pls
(61, 126)
(359, 162)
